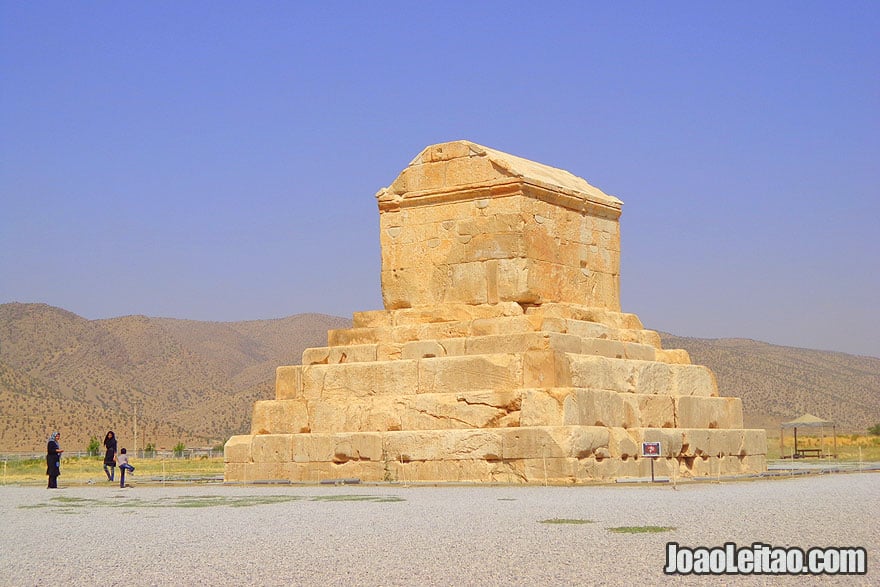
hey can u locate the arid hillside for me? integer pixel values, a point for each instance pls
(171, 381)
(175, 380)
(778, 383)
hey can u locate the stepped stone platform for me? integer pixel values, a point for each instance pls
(501, 355)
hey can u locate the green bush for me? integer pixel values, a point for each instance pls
(874, 430)
(94, 446)
(178, 449)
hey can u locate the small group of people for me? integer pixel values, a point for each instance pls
(111, 459)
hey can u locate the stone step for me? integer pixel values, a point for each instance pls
(482, 345)
(460, 312)
(636, 376)
(527, 455)
(526, 471)
(531, 322)
(494, 409)
(500, 371)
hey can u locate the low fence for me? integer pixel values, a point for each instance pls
(187, 453)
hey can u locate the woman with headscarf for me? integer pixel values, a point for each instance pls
(110, 455)
(53, 459)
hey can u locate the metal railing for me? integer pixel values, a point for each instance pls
(187, 453)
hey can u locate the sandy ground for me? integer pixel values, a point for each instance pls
(213, 534)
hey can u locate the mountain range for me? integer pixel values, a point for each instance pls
(165, 381)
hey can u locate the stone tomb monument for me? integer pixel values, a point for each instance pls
(501, 355)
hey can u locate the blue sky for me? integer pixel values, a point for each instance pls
(219, 160)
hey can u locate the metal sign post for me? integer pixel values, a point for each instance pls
(651, 450)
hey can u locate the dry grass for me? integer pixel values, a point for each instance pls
(850, 447)
(79, 470)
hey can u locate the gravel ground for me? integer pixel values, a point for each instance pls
(418, 535)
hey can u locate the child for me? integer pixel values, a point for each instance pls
(122, 461)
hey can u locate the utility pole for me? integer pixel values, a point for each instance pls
(135, 432)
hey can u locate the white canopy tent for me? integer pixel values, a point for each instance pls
(807, 421)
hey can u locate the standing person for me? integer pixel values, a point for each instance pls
(53, 459)
(122, 461)
(110, 455)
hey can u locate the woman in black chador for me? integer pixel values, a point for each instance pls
(110, 455)
(53, 459)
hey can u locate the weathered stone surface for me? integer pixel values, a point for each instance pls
(288, 382)
(635, 376)
(280, 417)
(501, 355)
(514, 231)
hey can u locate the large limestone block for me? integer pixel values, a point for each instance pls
(434, 445)
(624, 444)
(544, 369)
(581, 328)
(358, 447)
(340, 414)
(356, 336)
(754, 442)
(708, 412)
(235, 472)
(271, 448)
(259, 471)
(424, 349)
(238, 449)
(619, 375)
(596, 407)
(288, 382)
(591, 407)
(543, 407)
(454, 312)
(315, 356)
(656, 411)
(498, 372)
(372, 319)
(696, 380)
(582, 441)
(337, 448)
(358, 353)
(360, 379)
(635, 376)
(670, 440)
(468, 409)
(522, 342)
(639, 351)
(507, 325)
(456, 471)
(280, 417)
(554, 442)
(549, 470)
(585, 313)
(531, 281)
(432, 411)
(522, 443)
(702, 442)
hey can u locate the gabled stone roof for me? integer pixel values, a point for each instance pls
(460, 165)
